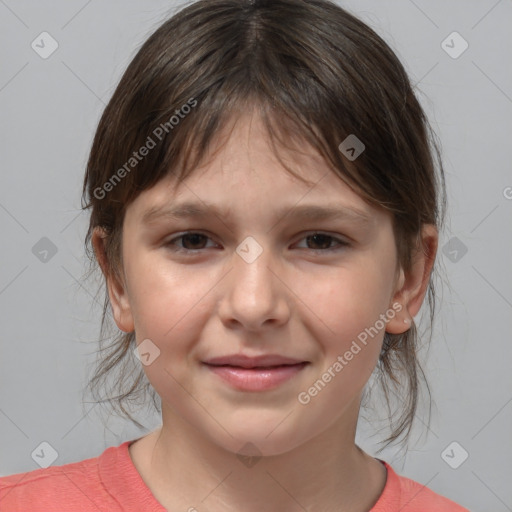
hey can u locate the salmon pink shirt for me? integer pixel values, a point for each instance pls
(111, 483)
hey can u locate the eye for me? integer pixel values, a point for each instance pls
(324, 241)
(193, 242)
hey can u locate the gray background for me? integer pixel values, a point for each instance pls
(49, 317)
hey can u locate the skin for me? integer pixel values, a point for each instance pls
(291, 300)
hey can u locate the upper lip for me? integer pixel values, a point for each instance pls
(244, 361)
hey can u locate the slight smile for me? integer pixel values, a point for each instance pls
(255, 374)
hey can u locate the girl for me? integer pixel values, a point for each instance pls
(265, 204)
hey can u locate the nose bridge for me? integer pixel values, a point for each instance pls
(252, 263)
(255, 294)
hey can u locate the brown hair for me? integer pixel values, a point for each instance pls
(316, 73)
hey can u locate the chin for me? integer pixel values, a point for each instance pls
(259, 440)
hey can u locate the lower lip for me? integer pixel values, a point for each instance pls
(256, 379)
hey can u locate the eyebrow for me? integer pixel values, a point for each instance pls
(193, 210)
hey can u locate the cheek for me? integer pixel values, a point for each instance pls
(170, 307)
(349, 330)
(165, 298)
(349, 300)
(348, 326)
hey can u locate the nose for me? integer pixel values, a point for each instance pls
(255, 295)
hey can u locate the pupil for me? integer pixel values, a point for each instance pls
(325, 238)
(194, 238)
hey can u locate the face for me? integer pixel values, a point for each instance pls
(259, 276)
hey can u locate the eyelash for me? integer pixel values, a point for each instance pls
(173, 247)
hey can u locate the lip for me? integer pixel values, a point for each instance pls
(255, 373)
(243, 361)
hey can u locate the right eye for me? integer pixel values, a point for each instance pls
(191, 242)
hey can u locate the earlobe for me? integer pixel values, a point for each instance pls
(116, 290)
(412, 285)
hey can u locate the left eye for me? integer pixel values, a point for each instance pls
(193, 241)
(324, 240)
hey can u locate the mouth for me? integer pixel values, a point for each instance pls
(263, 361)
(255, 374)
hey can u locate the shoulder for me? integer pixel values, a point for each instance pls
(76, 486)
(402, 493)
(416, 497)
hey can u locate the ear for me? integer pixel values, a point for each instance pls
(116, 289)
(412, 286)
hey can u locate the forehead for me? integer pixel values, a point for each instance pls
(242, 170)
(244, 142)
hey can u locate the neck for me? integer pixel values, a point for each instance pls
(184, 470)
